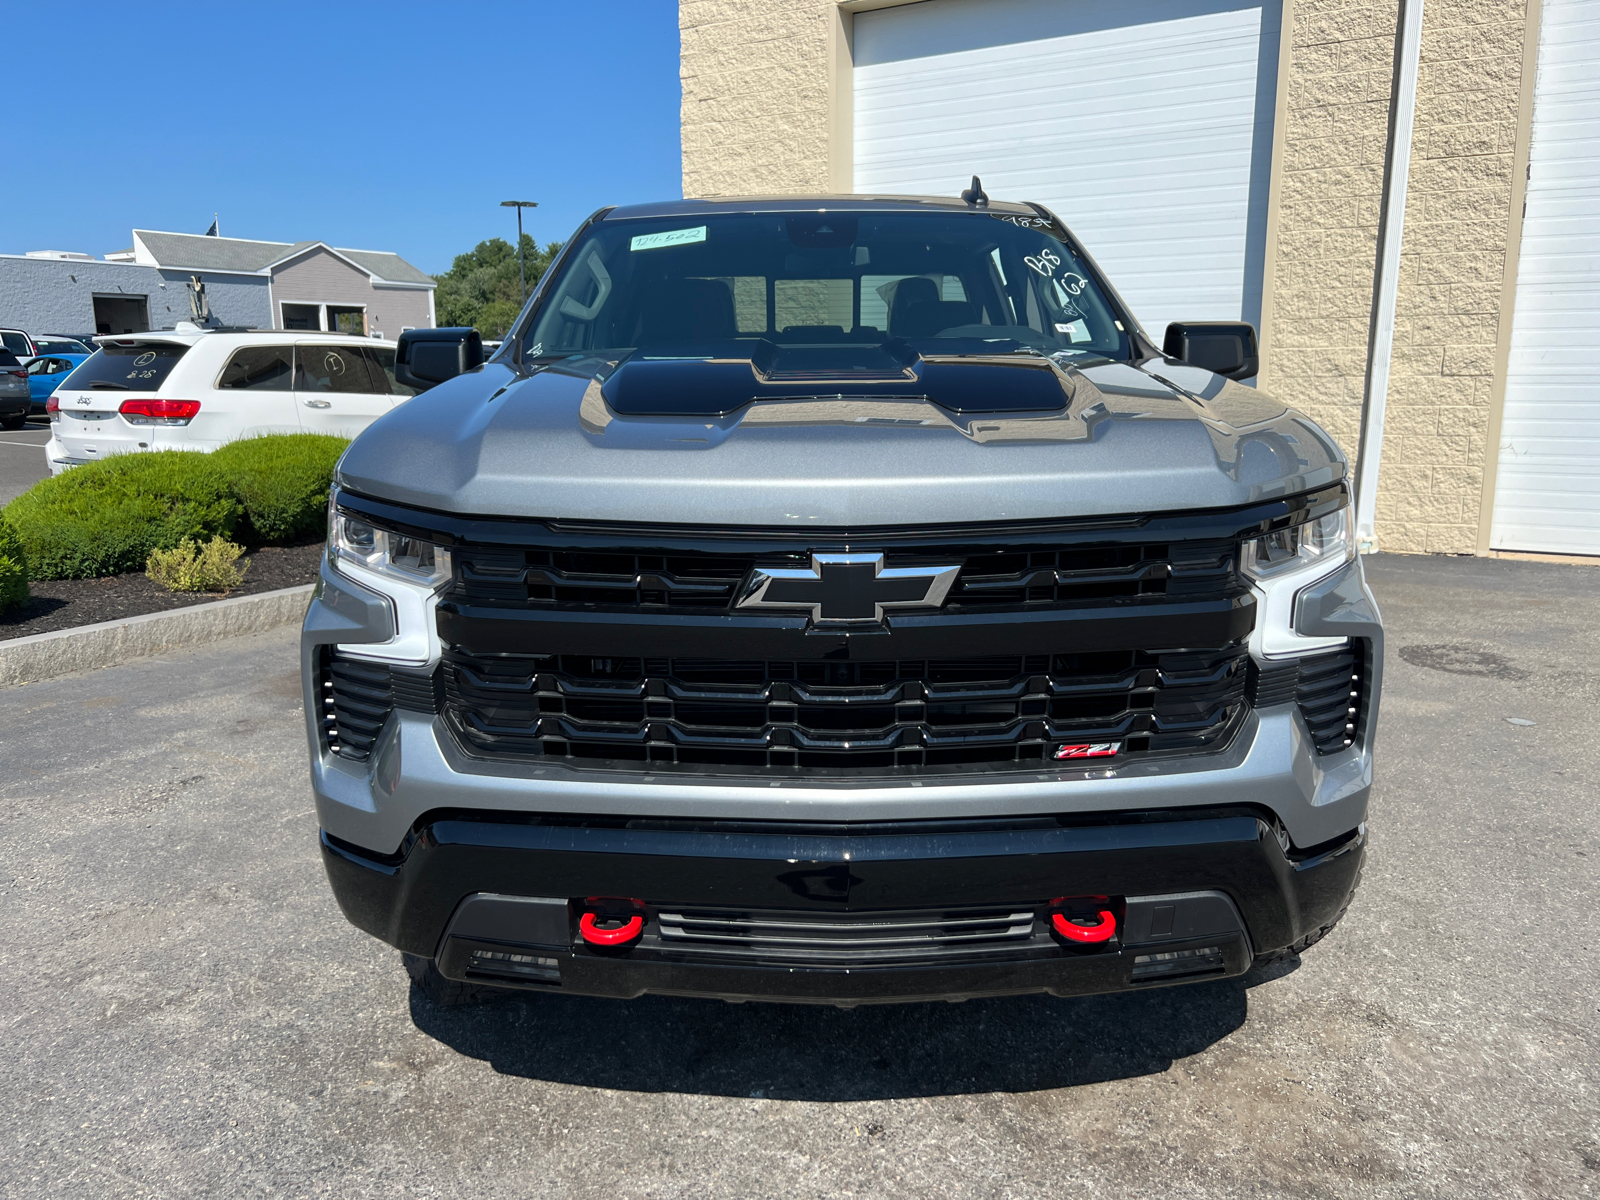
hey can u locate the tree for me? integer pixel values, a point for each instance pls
(481, 288)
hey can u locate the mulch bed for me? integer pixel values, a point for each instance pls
(64, 603)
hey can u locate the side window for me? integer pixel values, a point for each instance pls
(258, 368)
(384, 357)
(341, 369)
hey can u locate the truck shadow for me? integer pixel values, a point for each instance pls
(874, 1052)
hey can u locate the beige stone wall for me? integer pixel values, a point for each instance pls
(755, 96)
(1453, 259)
(1341, 69)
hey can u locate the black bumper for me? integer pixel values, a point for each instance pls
(1136, 859)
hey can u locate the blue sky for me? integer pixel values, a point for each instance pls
(396, 126)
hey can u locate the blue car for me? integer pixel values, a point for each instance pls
(45, 374)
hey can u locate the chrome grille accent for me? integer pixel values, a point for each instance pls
(846, 938)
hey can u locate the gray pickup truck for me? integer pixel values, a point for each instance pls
(839, 600)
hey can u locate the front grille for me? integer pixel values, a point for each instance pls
(357, 697)
(1003, 711)
(989, 580)
(846, 939)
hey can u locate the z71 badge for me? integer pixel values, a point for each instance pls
(1089, 750)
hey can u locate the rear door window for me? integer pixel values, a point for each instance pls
(337, 369)
(259, 369)
(139, 367)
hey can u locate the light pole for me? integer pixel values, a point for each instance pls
(522, 259)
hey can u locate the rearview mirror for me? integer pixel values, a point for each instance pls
(1227, 347)
(425, 357)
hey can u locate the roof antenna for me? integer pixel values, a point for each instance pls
(975, 195)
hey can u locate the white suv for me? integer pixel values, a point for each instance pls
(196, 390)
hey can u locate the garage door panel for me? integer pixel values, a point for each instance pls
(1141, 124)
(1547, 488)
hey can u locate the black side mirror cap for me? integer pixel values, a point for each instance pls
(1228, 348)
(424, 357)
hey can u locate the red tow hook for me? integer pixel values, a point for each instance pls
(618, 930)
(1068, 928)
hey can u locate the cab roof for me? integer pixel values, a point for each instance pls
(818, 203)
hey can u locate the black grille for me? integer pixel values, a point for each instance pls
(1049, 576)
(357, 697)
(1329, 695)
(996, 711)
(846, 939)
(1329, 688)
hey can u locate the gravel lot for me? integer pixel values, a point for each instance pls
(185, 1012)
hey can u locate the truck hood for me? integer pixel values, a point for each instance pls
(551, 443)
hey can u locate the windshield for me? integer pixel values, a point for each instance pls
(61, 346)
(948, 283)
(139, 367)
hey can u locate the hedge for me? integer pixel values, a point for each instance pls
(13, 568)
(105, 518)
(282, 481)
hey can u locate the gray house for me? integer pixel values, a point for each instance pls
(165, 278)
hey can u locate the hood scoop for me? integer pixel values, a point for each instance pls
(712, 384)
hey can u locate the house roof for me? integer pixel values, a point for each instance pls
(202, 252)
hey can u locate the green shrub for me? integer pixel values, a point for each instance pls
(282, 481)
(189, 567)
(104, 518)
(13, 569)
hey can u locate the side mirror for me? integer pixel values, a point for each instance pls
(1226, 347)
(425, 357)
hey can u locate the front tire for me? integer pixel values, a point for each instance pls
(12, 424)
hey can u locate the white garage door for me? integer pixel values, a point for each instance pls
(1547, 491)
(1146, 125)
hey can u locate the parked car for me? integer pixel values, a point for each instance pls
(13, 391)
(46, 373)
(60, 343)
(840, 600)
(198, 390)
(18, 343)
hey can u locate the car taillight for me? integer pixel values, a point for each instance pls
(159, 412)
(19, 374)
(52, 405)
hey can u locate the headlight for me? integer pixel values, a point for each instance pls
(1281, 565)
(396, 555)
(1315, 547)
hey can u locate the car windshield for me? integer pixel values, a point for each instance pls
(136, 366)
(946, 283)
(61, 346)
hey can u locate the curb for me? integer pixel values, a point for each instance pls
(90, 647)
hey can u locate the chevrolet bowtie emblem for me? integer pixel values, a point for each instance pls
(846, 589)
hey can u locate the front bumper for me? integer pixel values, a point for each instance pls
(459, 892)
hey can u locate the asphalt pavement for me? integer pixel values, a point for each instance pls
(184, 1012)
(22, 461)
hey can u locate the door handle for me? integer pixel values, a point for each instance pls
(319, 404)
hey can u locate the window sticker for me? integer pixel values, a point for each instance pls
(1077, 331)
(672, 237)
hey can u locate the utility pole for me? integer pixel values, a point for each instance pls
(522, 259)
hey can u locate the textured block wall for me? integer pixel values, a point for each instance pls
(1453, 258)
(755, 96)
(1335, 128)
